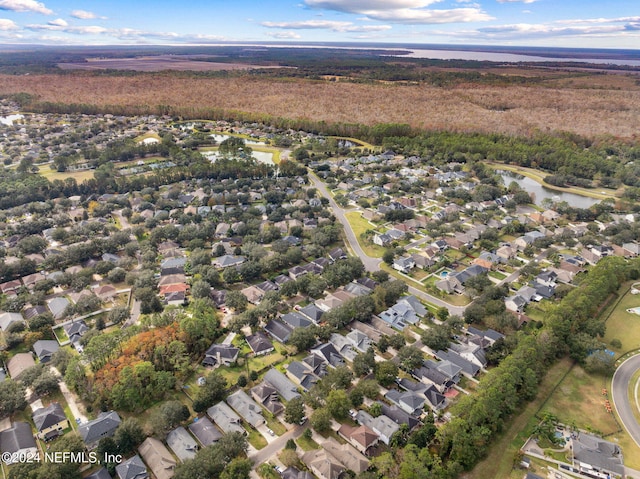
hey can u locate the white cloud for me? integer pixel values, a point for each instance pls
(284, 35)
(326, 25)
(598, 20)
(360, 6)
(6, 25)
(412, 12)
(516, 1)
(80, 30)
(83, 14)
(548, 30)
(59, 22)
(414, 17)
(25, 6)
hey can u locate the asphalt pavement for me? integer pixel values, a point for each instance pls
(620, 396)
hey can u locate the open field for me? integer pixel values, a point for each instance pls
(156, 63)
(624, 326)
(519, 110)
(579, 400)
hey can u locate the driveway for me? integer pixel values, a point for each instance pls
(620, 396)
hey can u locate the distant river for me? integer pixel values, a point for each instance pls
(540, 192)
(508, 57)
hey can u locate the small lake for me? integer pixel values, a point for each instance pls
(260, 156)
(8, 120)
(540, 192)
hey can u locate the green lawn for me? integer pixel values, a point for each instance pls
(256, 439)
(272, 423)
(497, 275)
(359, 226)
(307, 444)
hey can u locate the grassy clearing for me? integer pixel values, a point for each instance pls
(579, 401)
(624, 326)
(359, 226)
(79, 176)
(499, 462)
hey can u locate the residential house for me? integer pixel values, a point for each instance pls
(7, 320)
(347, 455)
(10, 287)
(399, 416)
(383, 239)
(246, 407)
(104, 425)
(45, 348)
(409, 401)
(75, 330)
(158, 457)
(57, 306)
(323, 464)
(593, 454)
(293, 473)
(468, 368)
(296, 320)
(182, 443)
(259, 344)
(431, 376)
(205, 431)
(359, 340)
(253, 294)
(282, 384)
(328, 353)
(29, 313)
(50, 421)
(278, 330)
(18, 442)
(383, 426)
(220, 355)
(105, 292)
(471, 352)
(226, 419)
(312, 312)
(18, 364)
(227, 261)
(404, 265)
(267, 395)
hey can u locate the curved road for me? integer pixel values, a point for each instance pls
(620, 395)
(370, 263)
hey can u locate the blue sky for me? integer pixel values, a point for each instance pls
(562, 23)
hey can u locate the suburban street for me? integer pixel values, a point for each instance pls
(267, 452)
(373, 264)
(620, 396)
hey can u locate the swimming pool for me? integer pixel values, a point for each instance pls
(635, 310)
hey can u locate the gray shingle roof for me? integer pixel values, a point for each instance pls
(104, 425)
(48, 416)
(17, 437)
(205, 431)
